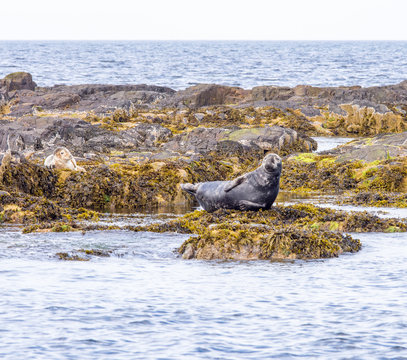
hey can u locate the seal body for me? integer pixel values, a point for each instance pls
(252, 191)
(62, 159)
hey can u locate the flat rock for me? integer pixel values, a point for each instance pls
(379, 147)
(205, 140)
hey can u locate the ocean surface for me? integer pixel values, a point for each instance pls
(179, 64)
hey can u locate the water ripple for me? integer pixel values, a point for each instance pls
(179, 64)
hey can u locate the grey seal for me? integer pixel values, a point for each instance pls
(62, 159)
(252, 191)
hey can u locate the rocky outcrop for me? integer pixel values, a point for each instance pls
(351, 110)
(289, 232)
(96, 98)
(206, 95)
(17, 81)
(375, 97)
(234, 141)
(379, 147)
(42, 134)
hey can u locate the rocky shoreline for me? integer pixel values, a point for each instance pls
(137, 143)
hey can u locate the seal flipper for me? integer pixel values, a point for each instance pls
(190, 188)
(249, 205)
(235, 183)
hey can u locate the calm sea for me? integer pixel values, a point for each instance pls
(179, 64)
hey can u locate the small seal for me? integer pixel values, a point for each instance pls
(252, 191)
(62, 159)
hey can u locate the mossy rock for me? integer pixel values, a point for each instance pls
(300, 231)
(243, 242)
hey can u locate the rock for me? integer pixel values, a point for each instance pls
(379, 147)
(301, 231)
(188, 252)
(199, 116)
(149, 135)
(45, 133)
(205, 140)
(18, 81)
(206, 95)
(3, 98)
(99, 99)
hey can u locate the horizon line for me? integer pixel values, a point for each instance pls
(210, 40)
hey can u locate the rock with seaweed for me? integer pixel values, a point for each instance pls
(299, 231)
(312, 172)
(261, 139)
(379, 147)
(376, 199)
(345, 111)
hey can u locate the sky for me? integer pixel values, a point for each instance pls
(203, 20)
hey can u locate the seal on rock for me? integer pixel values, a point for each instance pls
(252, 191)
(62, 159)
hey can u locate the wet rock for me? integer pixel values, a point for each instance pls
(289, 232)
(379, 147)
(311, 172)
(378, 199)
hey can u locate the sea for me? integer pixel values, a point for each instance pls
(179, 64)
(145, 302)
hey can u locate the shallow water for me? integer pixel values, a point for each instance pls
(143, 302)
(328, 143)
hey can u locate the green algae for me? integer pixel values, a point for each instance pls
(324, 173)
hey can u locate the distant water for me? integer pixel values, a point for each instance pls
(179, 64)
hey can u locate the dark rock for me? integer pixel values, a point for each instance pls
(18, 81)
(45, 133)
(304, 95)
(97, 98)
(206, 95)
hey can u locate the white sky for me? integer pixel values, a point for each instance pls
(204, 19)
